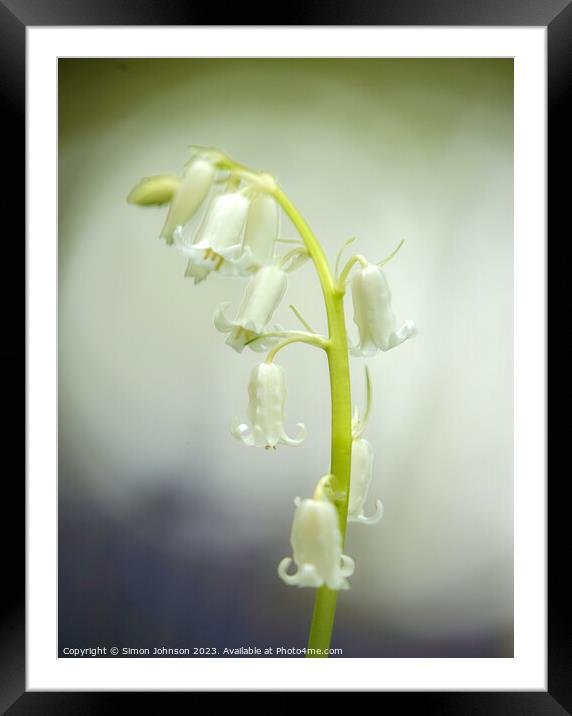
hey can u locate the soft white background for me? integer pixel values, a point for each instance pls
(382, 151)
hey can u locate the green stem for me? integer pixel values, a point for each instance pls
(358, 258)
(338, 363)
(310, 339)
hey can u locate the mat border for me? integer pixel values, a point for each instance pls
(15, 16)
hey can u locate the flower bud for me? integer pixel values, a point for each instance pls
(192, 191)
(317, 548)
(373, 314)
(154, 191)
(267, 397)
(361, 476)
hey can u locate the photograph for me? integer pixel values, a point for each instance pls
(285, 360)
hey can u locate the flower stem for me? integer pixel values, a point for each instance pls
(312, 340)
(340, 390)
(358, 258)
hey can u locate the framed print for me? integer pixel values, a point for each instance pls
(283, 395)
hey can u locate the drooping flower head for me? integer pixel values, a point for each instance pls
(317, 547)
(267, 397)
(373, 314)
(263, 294)
(238, 234)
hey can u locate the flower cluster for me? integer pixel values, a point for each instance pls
(237, 236)
(239, 229)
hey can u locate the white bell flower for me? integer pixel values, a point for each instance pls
(218, 245)
(189, 195)
(267, 395)
(373, 314)
(261, 230)
(263, 294)
(360, 480)
(317, 547)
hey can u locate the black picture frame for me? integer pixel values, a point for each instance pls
(15, 16)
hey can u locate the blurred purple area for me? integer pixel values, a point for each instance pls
(120, 585)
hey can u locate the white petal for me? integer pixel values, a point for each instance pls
(226, 262)
(308, 576)
(238, 338)
(263, 440)
(377, 515)
(241, 432)
(302, 432)
(191, 193)
(407, 330)
(291, 579)
(224, 222)
(338, 582)
(221, 322)
(261, 229)
(263, 294)
(244, 264)
(364, 349)
(348, 566)
(199, 273)
(179, 238)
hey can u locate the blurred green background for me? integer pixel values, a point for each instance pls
(171, 530)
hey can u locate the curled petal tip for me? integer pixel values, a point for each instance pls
(241, 432)
(407, 330)
(300, 437)
(290, 579)
(374, 519)
(378, 511)
(348, 566)
(306, 576)
(221, 322)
